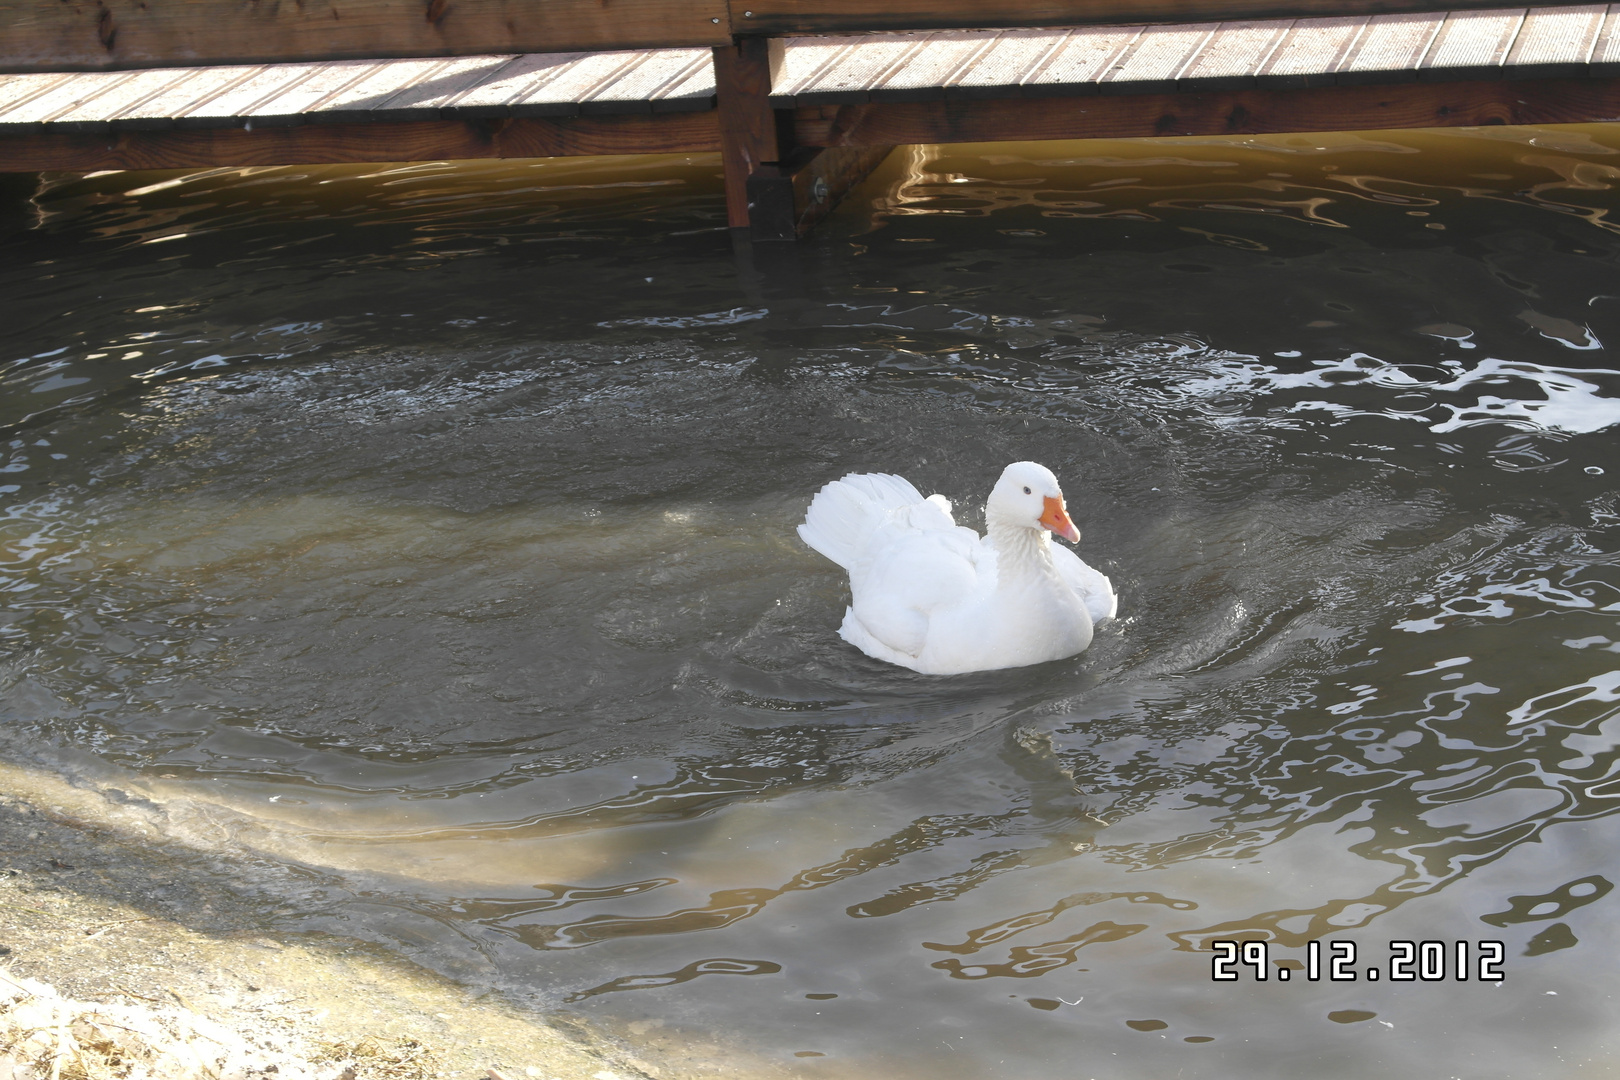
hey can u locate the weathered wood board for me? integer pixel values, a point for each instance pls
(337, 143)
(1556, 42)
(1437, 46)
(780, 17)
(1237, 112)
(54, 35)
(354, 91)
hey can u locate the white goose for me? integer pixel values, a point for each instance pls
(935, 597)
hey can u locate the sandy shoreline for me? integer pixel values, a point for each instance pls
(105, 918)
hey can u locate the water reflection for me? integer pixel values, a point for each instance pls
(428, 530)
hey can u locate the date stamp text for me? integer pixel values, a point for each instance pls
(1339, 961)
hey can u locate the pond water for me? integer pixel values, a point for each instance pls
(425, 537)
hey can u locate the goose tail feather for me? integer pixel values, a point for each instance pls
(844, 514)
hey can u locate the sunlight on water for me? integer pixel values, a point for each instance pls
(429, 530)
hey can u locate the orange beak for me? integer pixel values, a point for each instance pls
(1057, 519)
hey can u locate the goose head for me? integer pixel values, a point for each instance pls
(1028, 497)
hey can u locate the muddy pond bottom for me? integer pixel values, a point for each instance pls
(423, 537)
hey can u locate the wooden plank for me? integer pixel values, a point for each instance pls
(925, 74)
(1233, 112)
(1076, 65)
(191, 88)
(373, 94)
(128, 93)
(634, 90)
(293, 103)
(629, 72)
(17, 89)
(1310, 54)
(784, 17)
(801, 62)
(1232, 56)
(561, 94)
(691, 91)
(239, 100)
(316, 144)
(45, 35)
(1556, 43)
(433, 90)
(1156, 59)
(62, 97)
(851, 76)
(1389, 48)
(495, 94)
(1606, 53)
(1472, 45)
(1001, 70)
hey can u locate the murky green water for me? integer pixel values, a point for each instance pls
(430, 530)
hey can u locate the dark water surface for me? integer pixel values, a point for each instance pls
(427, 533)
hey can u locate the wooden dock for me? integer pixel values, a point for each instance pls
(798, 117)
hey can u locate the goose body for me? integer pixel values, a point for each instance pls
(938, 598)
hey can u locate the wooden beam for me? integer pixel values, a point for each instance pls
(83, 35)
(318, 144)
(843, 16)
(749, 135)
(786, 201)
(1239, 112)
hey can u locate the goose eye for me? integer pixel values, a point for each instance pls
(1027, 491)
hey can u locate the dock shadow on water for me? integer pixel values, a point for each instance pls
(429, 531)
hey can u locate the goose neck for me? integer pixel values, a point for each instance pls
(1021, 550)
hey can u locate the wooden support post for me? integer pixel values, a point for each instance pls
(773, 190)
(787, 200)
(748, 131)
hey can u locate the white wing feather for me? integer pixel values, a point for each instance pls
(846, 513)
(1091, 586)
